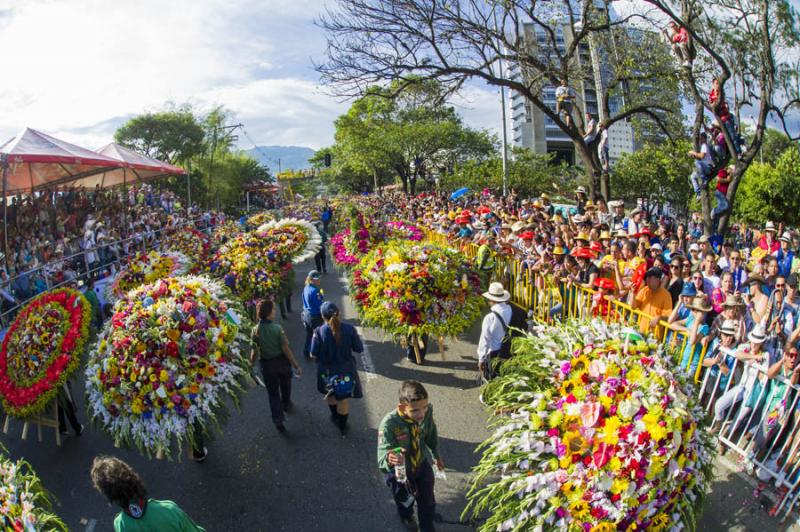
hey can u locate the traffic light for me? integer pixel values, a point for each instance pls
(327, 160)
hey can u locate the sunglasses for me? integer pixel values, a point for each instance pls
(676, 266)
(780, 286)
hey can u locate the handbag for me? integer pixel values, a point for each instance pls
(340, 384)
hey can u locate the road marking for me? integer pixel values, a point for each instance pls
(366, 358)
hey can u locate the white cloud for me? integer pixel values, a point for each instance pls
(479, 105)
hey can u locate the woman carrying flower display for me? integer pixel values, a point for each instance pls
(271, 347)
(332, 346)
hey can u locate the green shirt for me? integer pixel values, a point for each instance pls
(394, 432)
(163, 516)
(268, 338)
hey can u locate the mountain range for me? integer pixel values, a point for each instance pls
(290, 157)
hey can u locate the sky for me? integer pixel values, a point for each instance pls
(78, 69)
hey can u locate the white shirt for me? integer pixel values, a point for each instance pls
(706, 154)
(492, 332)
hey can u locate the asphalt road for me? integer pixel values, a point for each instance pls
(311, 479)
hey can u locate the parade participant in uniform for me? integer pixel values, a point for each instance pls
(485, 259)
(332, 345)
(312, 300)
(123, 487)
(271, 347)
(407, 444)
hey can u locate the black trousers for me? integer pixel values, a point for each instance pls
(66, 406)
(310, 323)
(419, 489)
(319, 260)
(277, 374)
(198, 449)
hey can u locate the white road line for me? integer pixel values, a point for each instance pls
(366, 358)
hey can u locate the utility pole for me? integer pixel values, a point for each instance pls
(226, 137)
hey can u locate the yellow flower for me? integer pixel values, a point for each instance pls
(575, 443)
(163, 376)
(605, 526)
(579, 364)
(579, 510)
(619, 485)
(611, 430)
(660, 522)
(651, 423)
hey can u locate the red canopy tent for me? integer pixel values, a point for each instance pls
(135, 167)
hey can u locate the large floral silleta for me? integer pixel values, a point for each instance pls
(592, 432)
(253, 265)
(296, 238)
(24, 504)
(407, 288)
(146, 268)
(165, 361)
(350, 245)
(190, 242)
(42, 347)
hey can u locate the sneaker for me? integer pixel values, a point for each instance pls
(80, 430)
(202, 457)
(410, 523)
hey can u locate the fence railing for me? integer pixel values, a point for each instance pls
(759, 423)
(86, 268)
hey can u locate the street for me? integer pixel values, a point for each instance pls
(311, 479)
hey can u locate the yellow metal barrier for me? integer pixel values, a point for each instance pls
(541, 294)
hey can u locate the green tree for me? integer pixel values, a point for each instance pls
(775, 143)
(174, 136)
(658, 172)
(529, 174)
(769, 192)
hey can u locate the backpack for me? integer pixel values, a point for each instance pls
(505, 347)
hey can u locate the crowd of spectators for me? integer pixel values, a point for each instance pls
(732, 303)
(57, 236)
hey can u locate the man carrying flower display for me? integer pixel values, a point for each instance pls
(493, 329)
(407, 444)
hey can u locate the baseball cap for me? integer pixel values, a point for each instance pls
(314, 274)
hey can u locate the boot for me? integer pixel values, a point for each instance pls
(334, 414)
(343, 423)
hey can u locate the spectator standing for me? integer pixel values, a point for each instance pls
(652, 300)
(122, 487)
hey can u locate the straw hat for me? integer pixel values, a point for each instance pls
(516, 227)
(497, 293)
(769, 226)
(580, 190)
(558, 250)
(583, 235)
(786, 237)
(544, 196)
(605, 235)
(757, 335)
(728, 327)
(699, 303)
(755, 278)
(733, 300)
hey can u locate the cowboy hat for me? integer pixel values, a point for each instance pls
(699, 303)
(517, 227)
(755, 278)
(769, 226)
(786, 237)
(583, 253)
(582, 236)
(497, 293)
(527, 235)
(597, 247)
(733, 300)
(605, 235)
(558, 250)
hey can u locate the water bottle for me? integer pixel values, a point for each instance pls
(400, 469)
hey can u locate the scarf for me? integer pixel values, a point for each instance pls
(415, 452)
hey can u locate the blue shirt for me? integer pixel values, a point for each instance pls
(729, 361)
(692, 352)
(312, 299)
(785, 262)
(332, 356)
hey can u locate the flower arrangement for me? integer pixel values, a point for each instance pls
(24, 504)
(225, 231)
(592, 432)
(257, 220)
(42, 347)
(165, 361)
(191, 243)
(145, 268)
(252, 265)
(296, 238)
(407, 288)
(349, 246)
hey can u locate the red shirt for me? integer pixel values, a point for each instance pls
(722, 187)
(680, 36)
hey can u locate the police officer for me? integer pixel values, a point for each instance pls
(311, 315)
